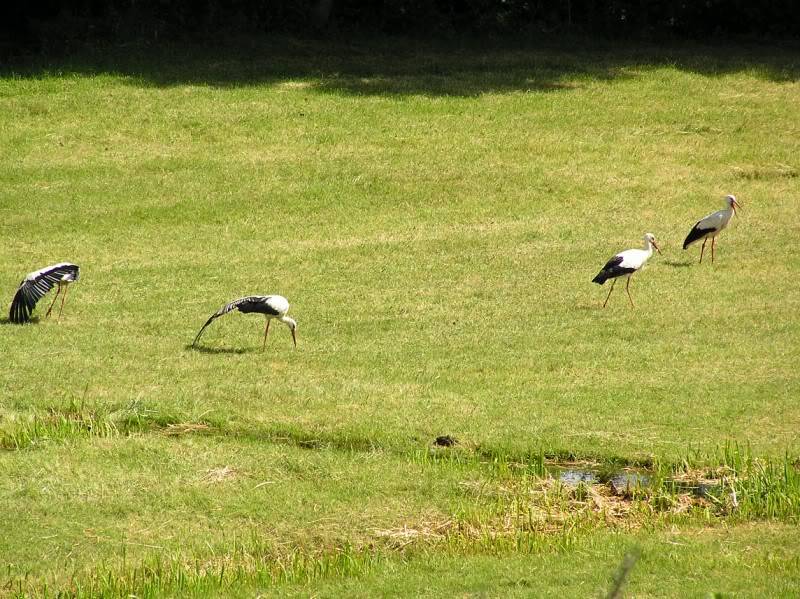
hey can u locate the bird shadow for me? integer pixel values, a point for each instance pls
(676, 264)
(220, 350)
(588, 307)
(6, 320)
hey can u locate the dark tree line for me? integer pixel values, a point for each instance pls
(52, 25)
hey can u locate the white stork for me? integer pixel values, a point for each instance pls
(625, 264)
(34, 286)
(271, 306)
(711, 226)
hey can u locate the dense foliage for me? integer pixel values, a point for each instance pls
(51, 24)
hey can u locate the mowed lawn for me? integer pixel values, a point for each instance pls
(434, 214)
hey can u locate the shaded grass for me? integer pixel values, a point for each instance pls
(393, 66)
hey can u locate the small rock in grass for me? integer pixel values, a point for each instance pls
(445, 441)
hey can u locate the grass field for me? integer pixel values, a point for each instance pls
(435, 214)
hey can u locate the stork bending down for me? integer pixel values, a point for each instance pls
(271, 306)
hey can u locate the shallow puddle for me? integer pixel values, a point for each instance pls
(696, 488)
(572, 477)
(624, 482)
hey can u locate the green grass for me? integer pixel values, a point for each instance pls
(434, 213)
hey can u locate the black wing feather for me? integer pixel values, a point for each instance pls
(258, 303)
(611, 270)
(243, 304)
(30, 291)
(695, 234)
(21, 308)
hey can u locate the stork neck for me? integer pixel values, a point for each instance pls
(289, 322)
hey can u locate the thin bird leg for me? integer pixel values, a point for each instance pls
(702, 249)
(628, 292)
(613, 282)
(55, 297)
(63, 297)
(265, 335)
(713, 243)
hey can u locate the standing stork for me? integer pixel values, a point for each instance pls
(711, 226)
(625, 264)
(34, 286)
(271, 306)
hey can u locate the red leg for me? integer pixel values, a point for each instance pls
(265, 335)
(613, 282)
(55, 297)
(713, 243)
(628, 292)
(702, 249)
(63, 297)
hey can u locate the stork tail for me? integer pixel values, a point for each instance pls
(694, 235)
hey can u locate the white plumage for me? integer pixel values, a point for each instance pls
(711, 226)
(635, 258)
(625, 264)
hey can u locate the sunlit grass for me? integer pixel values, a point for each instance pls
(435, 216)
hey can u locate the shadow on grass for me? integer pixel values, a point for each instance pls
(221, 350)
(397, 67)
(425, 449)
(6, 320)
(305, 439)
(676, 264)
